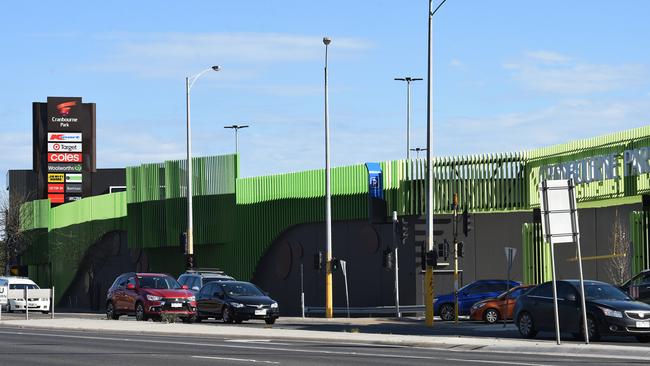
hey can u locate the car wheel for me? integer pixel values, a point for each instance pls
(643, 338)
(592, 328)
(447, 312)
(526, 325)
(491, 316)
(110, 311)
(189, 319)
(139, 312)
(199, 319)
(269, 321)
(227, 315)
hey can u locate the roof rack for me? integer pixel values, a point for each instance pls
(206, 270)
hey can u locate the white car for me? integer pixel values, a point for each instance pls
(22, 283)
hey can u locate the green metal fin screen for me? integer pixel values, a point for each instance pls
(536, 255)
(639, 236)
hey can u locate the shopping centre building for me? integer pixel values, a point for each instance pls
(267, 229)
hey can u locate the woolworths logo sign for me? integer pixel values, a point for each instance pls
(73, 178)
(599, 168)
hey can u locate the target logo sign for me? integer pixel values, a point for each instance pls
(63, 147)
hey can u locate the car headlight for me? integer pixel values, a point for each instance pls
(611, 313)
(236, 305)
(479, 305)
(274, 305)
(153, 298)
(191, 298)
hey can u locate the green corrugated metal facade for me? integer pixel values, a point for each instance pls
(237, 219)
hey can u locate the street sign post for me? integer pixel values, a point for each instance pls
(510, 258)
(344, 269)
(560, 226)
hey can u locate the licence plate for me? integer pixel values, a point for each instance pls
(643, 324)
(260, 312)
(177, 305)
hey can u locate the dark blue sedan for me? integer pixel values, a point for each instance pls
(469, 295)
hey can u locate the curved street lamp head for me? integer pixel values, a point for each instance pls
(216, 68)
(327, 40)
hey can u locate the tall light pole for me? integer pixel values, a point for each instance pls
(417, 151)
(329, 311)
(408, 80)
(236, 128)
(189, 82)
(428, 278)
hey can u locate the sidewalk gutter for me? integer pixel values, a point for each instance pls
(449, 343)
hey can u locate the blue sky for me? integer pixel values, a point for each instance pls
(509, 76)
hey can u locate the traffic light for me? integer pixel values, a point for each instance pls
(404, 231)
(432, 258)
(189, 261)
(183, 242)
(443, 250)
(460, 249)
(387, 259)
(336, 263)
(467, 222)
(423, 256)
(318, 260)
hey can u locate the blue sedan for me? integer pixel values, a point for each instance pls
(469, 295)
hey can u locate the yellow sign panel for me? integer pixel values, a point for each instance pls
(56, 178)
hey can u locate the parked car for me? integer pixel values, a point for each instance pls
(469, 295)
(609, 311)
(493, 309)
(149, 295)
(195, 279)
(34, 303)
(638, 287)
(235, 301)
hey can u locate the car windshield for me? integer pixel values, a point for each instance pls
(241, 289)
(22, 286)
(604, 292)
(513, 293)
(158, 282)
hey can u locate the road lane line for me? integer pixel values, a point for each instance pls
(235, 359)
(497, 362)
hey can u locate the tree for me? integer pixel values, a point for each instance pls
(618, 267)
(13, 239)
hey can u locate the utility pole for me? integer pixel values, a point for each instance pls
(329, 309)
(455, 207)
(396, 267)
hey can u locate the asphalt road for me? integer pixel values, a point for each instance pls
(53, 347)
(403, 326)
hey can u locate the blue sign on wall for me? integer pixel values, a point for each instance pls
(375, 180)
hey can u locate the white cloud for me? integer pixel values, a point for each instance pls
(167, 54)
(456, 63)
(550, 72)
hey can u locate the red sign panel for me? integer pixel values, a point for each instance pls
(64, 157)
(56, 188)
(56, 198)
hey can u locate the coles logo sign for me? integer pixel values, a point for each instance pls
(64, 158)
(63, 137)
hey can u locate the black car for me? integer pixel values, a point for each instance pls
(235, 301)
(195, 279)
(609, 311)
(638, 287)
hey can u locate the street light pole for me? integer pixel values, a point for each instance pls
(417, 151)
(428, 279)
(408, 80)
(189, 82)
(236, 128)
(329, 311)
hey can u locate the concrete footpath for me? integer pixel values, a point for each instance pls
(447, 342)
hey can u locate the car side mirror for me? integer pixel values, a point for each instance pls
(571, 297)
(184, 287)
(195, 288)
(130, 286)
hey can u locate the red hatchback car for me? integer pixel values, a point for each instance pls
(149, 295)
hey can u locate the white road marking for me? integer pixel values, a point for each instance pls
(496, 362)
(235, 359)
(264, 341)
